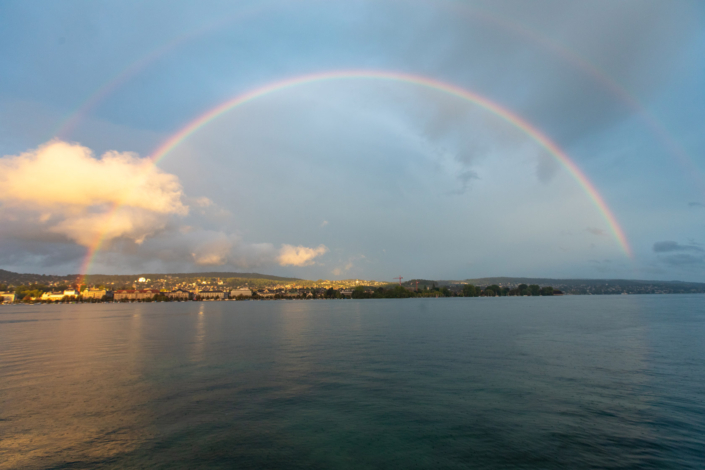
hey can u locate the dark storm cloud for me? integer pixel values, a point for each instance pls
(565, 66)
(670, 246)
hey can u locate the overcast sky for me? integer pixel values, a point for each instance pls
(353, 177)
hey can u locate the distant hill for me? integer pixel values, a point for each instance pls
(598, 286)
(221, 275)
(568, 286)
(9, 277)
(578, 286)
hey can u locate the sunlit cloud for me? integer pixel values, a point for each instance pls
(85, 197)
(299, 255)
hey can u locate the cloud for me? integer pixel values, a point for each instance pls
(64, 189)
(695, 259)
(546, 168)
(465, 178)
(547, 52)
(203, 202)
(299, 255)
(684, 260)
(669, 246)
(696, 204)
(348, 266)
(60, 197)
(596, 231)
(324, 223)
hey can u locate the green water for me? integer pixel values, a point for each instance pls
(569, 382)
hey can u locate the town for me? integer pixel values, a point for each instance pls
(167, 289)
(36, 288)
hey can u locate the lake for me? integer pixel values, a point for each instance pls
(522, 382)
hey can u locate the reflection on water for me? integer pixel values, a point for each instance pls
(200, 335)
(533, 383)
(71, 386)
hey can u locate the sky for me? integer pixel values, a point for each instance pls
(354, 139)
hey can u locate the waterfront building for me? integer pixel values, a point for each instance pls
(179, 294)
(240, 292)
(212, 294)
(7, 297)
(97, 294)
(134, 294)
(54, 296)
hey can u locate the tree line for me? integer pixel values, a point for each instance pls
(468, 290)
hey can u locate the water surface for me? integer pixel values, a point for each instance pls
(566, 382)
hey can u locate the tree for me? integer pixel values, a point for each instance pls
(548, 290)
(332, 294)
(534, 289)
(470, 290)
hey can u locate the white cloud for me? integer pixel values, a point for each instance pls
(62, 192)
(299, 255)
(85, 198)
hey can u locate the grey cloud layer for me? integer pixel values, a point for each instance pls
(670, 246)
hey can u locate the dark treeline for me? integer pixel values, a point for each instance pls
(468, 290)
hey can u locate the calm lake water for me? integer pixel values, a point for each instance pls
(565, 382)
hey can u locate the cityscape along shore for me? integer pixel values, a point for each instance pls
(33, 288)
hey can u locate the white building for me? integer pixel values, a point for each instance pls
(212, 294)
(240, 292)
(179, 294)
(54, 296)
(94, 294)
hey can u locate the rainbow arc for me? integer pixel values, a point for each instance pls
(508, 116)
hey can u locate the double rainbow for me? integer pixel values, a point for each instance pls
(559, 155)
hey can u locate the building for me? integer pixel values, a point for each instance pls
(266, 295)
(97, 294)
(7, 297)
(134, 294)
(240, 292)
(54, 296)
(179, 294)
(212, 294)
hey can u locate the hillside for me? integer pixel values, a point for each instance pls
(12, 278)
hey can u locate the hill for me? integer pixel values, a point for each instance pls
(12, 278)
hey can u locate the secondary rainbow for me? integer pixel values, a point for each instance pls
(176, 139)
(674, 148)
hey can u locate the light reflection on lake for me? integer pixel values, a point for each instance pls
(496, 383)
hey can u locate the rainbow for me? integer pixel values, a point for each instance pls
(674, 148)
(559, 155)
(69, 124)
